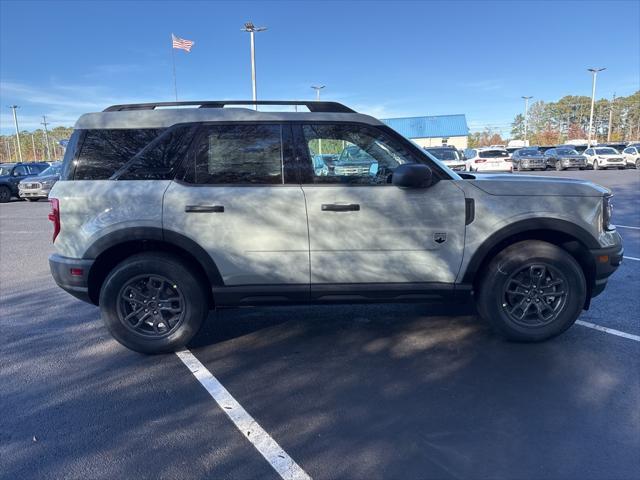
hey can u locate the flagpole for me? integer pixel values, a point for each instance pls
(173, 59)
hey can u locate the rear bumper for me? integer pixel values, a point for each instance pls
(607, 260)
(75, 283)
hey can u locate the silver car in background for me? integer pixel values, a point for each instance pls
(35, 188)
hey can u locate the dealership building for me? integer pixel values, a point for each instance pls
(433, 131)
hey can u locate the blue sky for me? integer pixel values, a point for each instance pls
(384, 58)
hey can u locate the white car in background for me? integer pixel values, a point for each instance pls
(632, 156)
(488, 159)
(604, 157)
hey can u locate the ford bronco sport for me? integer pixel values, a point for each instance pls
(162, 214)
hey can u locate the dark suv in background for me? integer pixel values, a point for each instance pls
(12, 173)
(529, 158)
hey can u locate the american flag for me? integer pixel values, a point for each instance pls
(181, 43)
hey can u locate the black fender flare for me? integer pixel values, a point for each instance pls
(523, 227)
(156, 234)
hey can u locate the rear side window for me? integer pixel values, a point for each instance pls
(160, 159)
(105, 151)
(237, 154)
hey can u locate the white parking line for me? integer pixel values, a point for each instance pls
(632, 258)
(626, 226)
(261, 440)
(612, 331)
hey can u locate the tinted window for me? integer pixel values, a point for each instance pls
(444, 153)
(606, 151)
(494, 154)
(566, 151)
(237, 154)
(103, 152)
(160, 159)
(20, 170)
(365, 155)
(551, 151)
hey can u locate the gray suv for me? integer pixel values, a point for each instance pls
(162, 214)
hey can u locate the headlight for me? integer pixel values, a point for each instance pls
(607, 210)
(46, 183)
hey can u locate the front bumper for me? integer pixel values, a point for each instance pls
(607, 260)
(72, 275)
(572, 163)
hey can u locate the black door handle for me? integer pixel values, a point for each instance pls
(340, 207)
(204, 208)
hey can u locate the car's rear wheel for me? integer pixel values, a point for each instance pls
(5, 194)
(152, 303)
(532, 291)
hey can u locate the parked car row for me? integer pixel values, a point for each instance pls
(31, 181)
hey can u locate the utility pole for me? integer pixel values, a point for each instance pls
(317, 88)
(8, 147)
(15, 122)
(46, 136)
(526, 117)
(33, 146)
(252, 29)
(611, 117)
(594, 72)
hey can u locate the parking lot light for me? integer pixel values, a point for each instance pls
(594, 73)
(317, 88)
(15, 122)
(526, 112)
(252, 29)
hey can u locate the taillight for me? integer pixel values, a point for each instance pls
(479, 160)
(54, 216)
(508, 159)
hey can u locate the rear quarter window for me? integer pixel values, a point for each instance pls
(103, 152)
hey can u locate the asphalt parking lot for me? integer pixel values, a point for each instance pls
(362, 392)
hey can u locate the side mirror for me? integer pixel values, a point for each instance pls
(412, 175)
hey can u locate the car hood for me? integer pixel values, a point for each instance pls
(531, 185)
(40, 178)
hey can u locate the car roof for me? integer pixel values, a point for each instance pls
(166, 114)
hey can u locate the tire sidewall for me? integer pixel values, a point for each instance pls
(514, 258)
(5, 194)
(195, 302)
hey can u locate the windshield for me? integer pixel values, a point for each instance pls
(52, 170)
(566, 151)
(606, 151)
(5, 169)
(444, 153)
(528, 153)
(493, 154)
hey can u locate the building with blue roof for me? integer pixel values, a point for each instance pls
(433, 131)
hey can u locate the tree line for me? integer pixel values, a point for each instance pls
(552, 123)
(34, 146)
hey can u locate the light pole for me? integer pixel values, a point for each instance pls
(252, 29)
(594, 72)
(526, 116)
(46, 136)
(15, 122)
(317, 88)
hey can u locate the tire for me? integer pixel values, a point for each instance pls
(595, 165)
(5, 194)
(500, 308)
(622, 168)
(147, 278)
(638, 164)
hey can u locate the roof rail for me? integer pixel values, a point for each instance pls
(313, 106)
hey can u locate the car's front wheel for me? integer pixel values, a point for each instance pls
(5, 194)
(595, 165)
(638, 164)
(532, 291)
(152, 303)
